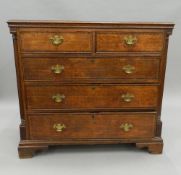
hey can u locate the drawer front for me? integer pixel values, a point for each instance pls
(56, 41)
(65, 69)
(129, 42)
(91, 97)
(112, 125)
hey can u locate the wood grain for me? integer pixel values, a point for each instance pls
(114, 42)
(40, 41)
(91, 96)
(88, 126)
(81, 69)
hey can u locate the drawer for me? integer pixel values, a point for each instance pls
(75, 126)
(56, 41)
(91, 69)
(77, 97)
(129, 42)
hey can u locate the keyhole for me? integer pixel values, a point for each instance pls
(93, 118)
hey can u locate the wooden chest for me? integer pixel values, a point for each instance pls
(90, 83)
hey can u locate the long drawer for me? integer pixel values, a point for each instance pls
(91, 96)
(129, 41)
(103, 125)
(55, 41)
(92, 69)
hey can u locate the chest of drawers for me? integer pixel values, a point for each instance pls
(89, 83)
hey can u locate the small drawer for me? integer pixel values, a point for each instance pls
(129, 42)
(137, 69)
(106, 125)
(55, 41)
(100, 97)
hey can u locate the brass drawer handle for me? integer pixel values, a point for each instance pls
(59, 127)
(127, 97)
(56, 40)
(126, 127)
(57, 69)
(128, 69)
(58, 98)
(130, 40)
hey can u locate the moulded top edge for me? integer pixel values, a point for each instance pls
(89, 23)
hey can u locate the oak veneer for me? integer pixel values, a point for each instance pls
(92, 126)
(79, 97)
(82, 69)
(39, 41)
(89, 83)
(111, 42)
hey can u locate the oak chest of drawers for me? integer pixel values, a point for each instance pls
(90, 83)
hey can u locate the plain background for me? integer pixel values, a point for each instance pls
(102, 159)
